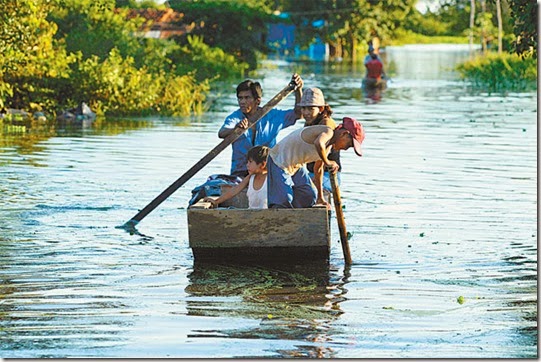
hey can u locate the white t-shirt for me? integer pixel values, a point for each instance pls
(257, 199)
(292, 152)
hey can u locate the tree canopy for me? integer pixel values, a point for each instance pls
(525, 20)
(57, 53)
(238, 27)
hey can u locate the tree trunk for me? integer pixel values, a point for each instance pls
(483, 30)
(353, 48)
(500, 26)
(472, 24)
(336, 50)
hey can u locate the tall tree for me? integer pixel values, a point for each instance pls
(500, 26)
(525, 20)
(472, 25)
(482, 26)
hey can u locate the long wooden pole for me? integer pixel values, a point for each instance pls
(252, 120)
(340, 217)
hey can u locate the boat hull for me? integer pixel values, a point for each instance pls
(274, 235)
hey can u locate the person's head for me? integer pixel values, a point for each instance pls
(370, 49)
(349, 133)
(312, 104)
(257, 159)
(249, 95)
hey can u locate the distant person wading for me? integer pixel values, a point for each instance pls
(374, 69)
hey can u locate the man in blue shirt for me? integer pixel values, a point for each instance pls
(264, 132)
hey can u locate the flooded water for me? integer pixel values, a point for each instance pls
(442, 208)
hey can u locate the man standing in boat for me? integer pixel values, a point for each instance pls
(265, 131)
(289, 185)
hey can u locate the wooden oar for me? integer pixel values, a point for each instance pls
(340, 217)
(129, 225)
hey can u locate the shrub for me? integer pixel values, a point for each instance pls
(116, 87)
(182, 96)
(500, 72)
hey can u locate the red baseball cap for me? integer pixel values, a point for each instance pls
(356, 131)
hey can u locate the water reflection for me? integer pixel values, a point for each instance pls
(373, 93)
(442, 205)
(291, 302)
(28, 135)
(425, 61)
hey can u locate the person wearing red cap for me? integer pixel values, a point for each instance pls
(289, 185)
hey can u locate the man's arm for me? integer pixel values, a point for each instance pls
(298, 94)
(229, 126)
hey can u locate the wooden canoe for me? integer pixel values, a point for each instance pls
(233, 234)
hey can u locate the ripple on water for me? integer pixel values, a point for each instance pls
(442, 205)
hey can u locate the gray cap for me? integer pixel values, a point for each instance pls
(312, 97)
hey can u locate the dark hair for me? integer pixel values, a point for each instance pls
(258, 154)
(253, 87)
(325, 113)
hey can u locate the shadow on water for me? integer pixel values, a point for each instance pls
(291, 302)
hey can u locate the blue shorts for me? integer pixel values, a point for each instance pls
(286, 191)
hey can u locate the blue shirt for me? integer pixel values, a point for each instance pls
(267, 129)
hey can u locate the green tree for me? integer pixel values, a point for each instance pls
(524, 14)
(236, 27)
(95, 27)
(33, 65)
(212, 62)
(349, 24)
(97, 57)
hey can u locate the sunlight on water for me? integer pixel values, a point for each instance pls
(442, 207)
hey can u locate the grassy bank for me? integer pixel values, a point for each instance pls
(404, 37)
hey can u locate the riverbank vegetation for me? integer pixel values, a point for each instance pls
(501, 72)
(58, 53)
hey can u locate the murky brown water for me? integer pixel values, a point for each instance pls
(442, 205)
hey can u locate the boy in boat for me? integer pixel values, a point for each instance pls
(256, 181)
(289, 185)
(265, 131)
